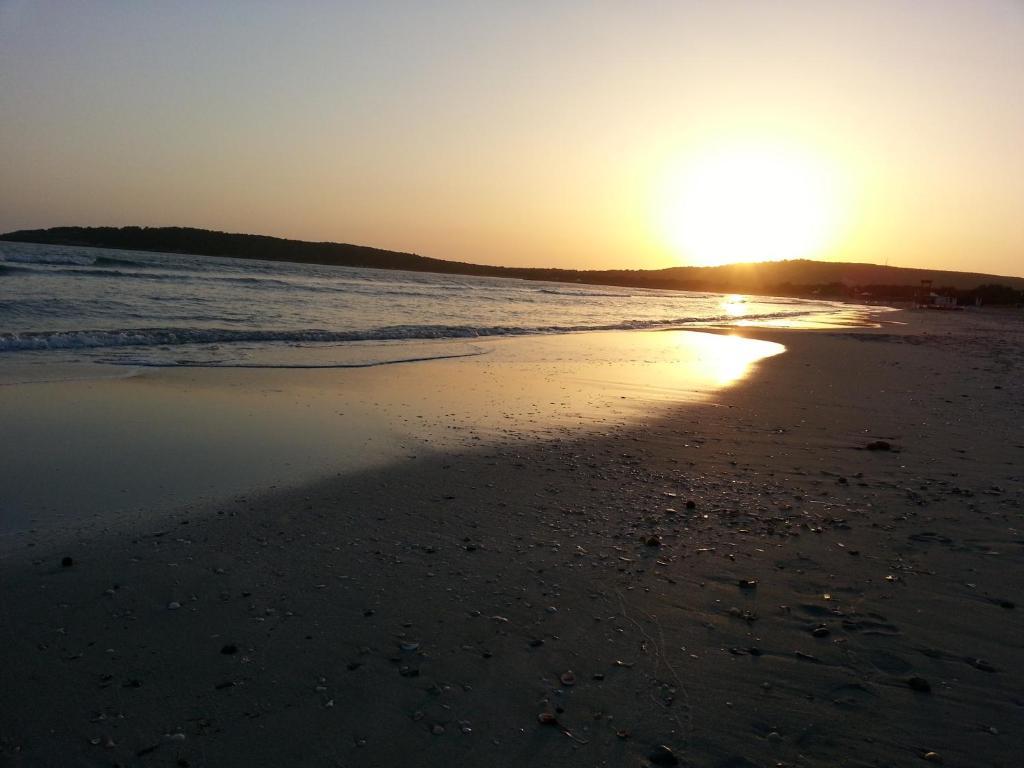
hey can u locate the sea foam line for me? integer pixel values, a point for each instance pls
(301, 366)
(13, 341)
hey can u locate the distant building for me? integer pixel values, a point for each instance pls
(938, 301)
(927, 298)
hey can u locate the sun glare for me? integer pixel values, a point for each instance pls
(750, 203)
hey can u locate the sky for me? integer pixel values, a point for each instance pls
(584, 135)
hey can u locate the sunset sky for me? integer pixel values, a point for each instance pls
(572, 134)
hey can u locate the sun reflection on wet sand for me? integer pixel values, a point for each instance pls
(729, 359)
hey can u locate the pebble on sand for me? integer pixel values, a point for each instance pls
(662, 755)
(66, 562)
(919, 684)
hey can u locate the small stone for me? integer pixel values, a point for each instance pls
(568, 678)
(662, 755)
(653, 541)
(932, 757)
(547, 718)
(437, 729)
(66, 562)
(691, 504)
(919, 684)
(981, 664)
(820, 631)
(229, 650)
(879, 445)
(748, 583)
(775, 737)
(173, 605)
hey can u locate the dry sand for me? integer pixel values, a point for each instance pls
(740, 581)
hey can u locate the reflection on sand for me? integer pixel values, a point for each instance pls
(167, 437)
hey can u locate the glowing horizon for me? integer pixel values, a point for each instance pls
(586, 136)
(750, 202)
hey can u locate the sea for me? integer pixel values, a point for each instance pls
(136, 385)
(65, 305)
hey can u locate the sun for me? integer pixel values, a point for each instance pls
(750, 203)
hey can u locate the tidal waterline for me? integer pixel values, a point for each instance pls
(86, 451)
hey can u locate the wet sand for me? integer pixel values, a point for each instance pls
(739, 582)
(110, 445)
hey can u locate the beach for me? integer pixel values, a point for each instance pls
(817, 565)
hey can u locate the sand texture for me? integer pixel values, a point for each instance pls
(739, 583)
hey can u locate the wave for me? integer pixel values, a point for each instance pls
(70, 260)
(105, 268)
(110, 261)
(141, 363)
(173, 337)
(55, 259)
(559, 292)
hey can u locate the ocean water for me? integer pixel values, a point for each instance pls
(66, 305)
(136, 384)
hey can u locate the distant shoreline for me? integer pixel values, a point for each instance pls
(797, 278)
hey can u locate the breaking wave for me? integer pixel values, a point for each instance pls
(164, 337)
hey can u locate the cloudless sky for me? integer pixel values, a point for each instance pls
(521, 133)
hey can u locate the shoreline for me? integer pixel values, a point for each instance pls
(436, 609)
(165, 438)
